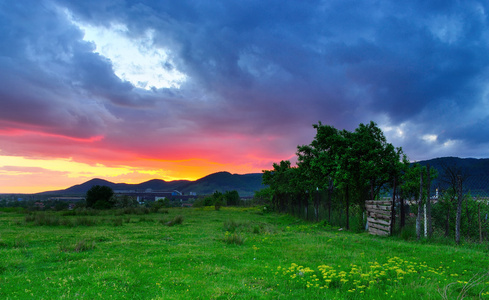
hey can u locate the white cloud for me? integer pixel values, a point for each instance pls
(138, 60)
(430, 137)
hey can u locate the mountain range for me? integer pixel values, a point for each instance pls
(245, 185)
(477, 181)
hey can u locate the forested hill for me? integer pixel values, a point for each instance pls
(475, 171)
(246, 185)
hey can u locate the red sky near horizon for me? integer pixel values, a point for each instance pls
(131, 91)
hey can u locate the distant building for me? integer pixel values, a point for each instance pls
(67, 199)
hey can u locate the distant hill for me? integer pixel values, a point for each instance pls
(246, 185)
(477, 171)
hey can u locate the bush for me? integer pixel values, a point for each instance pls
(231, 226)
(117, 221)
(233, 238)
(157, 205)
(175, 221)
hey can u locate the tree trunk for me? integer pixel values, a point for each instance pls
(347, 209)
(447, 223)
(330, 192)
(469, 219)
(459, 211)
(316, 206)
(372, 190)
(402, 212)
(393, 210)
(299, 213)
(480, 225)
(420, 200)
(428, 205)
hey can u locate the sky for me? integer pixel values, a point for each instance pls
(129, 91)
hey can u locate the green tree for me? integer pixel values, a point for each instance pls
(263, 196)
(279, 181)
(231, 198)
(123, 201)
(317, 163)
(218, 200)
(100, 197)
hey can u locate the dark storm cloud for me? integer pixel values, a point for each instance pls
(255, 68)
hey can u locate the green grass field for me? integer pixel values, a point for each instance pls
(234, 253)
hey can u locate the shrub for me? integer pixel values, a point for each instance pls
(234, 238)
(117, 221)
(218, 204)
(175, 221)
(408, 232)
(231, 225)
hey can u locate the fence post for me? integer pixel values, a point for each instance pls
(418, 217)
(459, 210)
(480, 227)
(425, 222)
(393, 209)
(428, 205)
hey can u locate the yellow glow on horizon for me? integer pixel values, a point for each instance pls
(31, 175)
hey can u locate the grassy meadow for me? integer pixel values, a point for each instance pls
(234, 253)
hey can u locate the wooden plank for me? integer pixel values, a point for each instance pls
(379, 207)
(379, 212)
(384, 218)
(372, 202)
(378, 221)
(378, 226)
(375, 231)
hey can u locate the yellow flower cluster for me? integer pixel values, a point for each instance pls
(358, 279)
